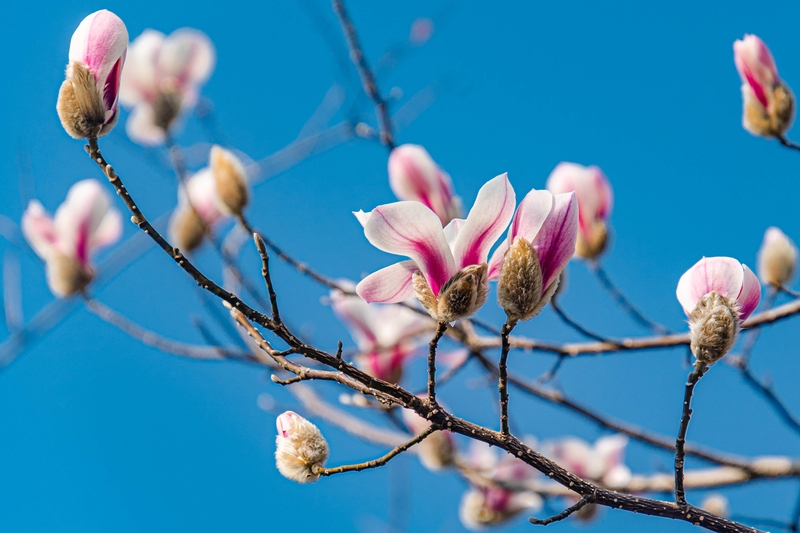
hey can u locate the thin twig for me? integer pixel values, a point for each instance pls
(752, 336)
(789, 292)
(569, 321)
(273, 297)
(787, 143)
(769, 394)
(377, 462)
(440, 329)
(563, 514)
(503, 375)
(680, 443)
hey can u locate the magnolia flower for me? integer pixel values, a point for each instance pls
(198, 208)
(777, 258)
(540, 243)
(421, 31)
(437, 450)
(301, 448)
(386, 335)
(87, 100)
(84, 222)
(595, 200)
(163, 76)
(413, 175)
(447, 271)
(602, 462)
(504, 493)
(768, 101)
(717, 294)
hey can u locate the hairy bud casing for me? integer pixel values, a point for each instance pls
(519, 287)
(66, 276)
(231, 180)
(186, 229)
(463, 294)
(80, 106)
(592, 243)
(301, 448)
(777, 258)
(714, 325)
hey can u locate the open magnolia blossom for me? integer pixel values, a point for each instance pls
(163, 76)
(301, 448)
(386, 335)
(777, 258)
(717, 294)
(768, 101)
(87, 100)
(540, 243)
(83, 223)
(448, 270)
(595, 200)
(438, 450)
(413, 175)
(198, 208)
(500, 490)
(604, 461)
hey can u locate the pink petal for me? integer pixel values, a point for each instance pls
(389, 285)
(202, 193)
(497, 260)
(610, 451)
(723, 275)
(141, 127)
(285, 423)
(39, 230)
(188, 57)
(140, 78)
(756, 66)
(486, 221)
(555, 241)
(413, 230)
(751, 294)
(452, 229)
(604, 192)
(356, 315)
(595, 197)
(80, 216)
(533, 210)
(362, 217)
(413, 175)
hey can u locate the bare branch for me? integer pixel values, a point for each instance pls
(700, 368)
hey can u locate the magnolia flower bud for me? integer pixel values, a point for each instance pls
(490, 506)
(519, 287)
(66, 276)
(301, 448)
(231, 180)
(587, 512)
(437, 451)
(186, 229)
(87, 101)
(460, 297)
(592, 243)
(713, 324)
(716, 504)
(776, 258)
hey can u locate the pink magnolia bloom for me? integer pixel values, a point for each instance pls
(493, 504)
(725, 276)
(88, 98)
(386, 335)
(595, 200)
(198, 208)
(83, 223)
(413, 175)
(163, 76)
(439, 254)
(717, 294)
(603, 462)
(768, 102)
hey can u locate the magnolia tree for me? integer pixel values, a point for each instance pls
(506, 248)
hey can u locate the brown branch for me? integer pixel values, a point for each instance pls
(563, 514)
(440, 329)
(503, 375)
(680, 443)
(787, 143)
(367, 78)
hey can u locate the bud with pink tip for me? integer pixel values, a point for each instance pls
(437, 451)
(777, 258)
(83, 223)
(87, 101)
(198, 208)
(768, 101)
(717, 294)
(301, 448)
(595, 200)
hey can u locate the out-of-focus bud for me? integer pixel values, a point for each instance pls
(198, 208)
(437, 451)
(717, 294)
(716, 504)
(768, 101)
(87, 100)
(490, 506)
(595, 200)
(460, 297)
(421, 31)
(301, 448)
(413, 175)
(83, 223)
(231, 180)
(777, 258)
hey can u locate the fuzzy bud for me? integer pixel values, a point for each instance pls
(186, 229)
(66, 276)
(231, 180)
(716, 504)
(301, 448)
(464, 293)
(777, 258)
(591, 244)
(713, 324)
(437, 451)
(79, 105)
(519, 288)
(490, 506)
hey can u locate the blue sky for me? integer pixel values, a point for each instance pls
(100, 433)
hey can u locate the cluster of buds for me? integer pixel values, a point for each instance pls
(386, 335)
(301, 448)
(88, 98)
(777, 258)
(163, 76)
(501, 490)
(768, 101)
(212, 192)
(595, 200)
(83, 223)
(437, 451)
(448, 271)
(540, 243)
(717, 294)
